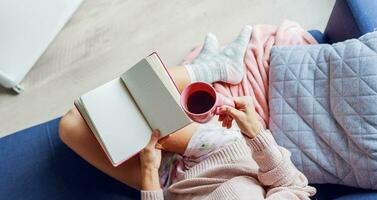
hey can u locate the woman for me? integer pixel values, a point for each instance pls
(239, 161)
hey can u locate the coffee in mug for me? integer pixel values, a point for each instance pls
(200, 101)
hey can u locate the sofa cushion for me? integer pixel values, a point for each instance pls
(35, 164)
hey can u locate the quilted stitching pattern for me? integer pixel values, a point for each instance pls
(323, 108)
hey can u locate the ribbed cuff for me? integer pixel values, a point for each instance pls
(265, 150)
(190, 72)
(263, 140)
(152, 195)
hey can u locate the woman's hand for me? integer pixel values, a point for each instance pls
(150, 160)
(244, 114)
(150, 156)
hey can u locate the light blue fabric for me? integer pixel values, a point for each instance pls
(323, 108)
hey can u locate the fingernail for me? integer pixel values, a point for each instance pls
(158, 146)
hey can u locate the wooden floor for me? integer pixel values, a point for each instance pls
(105, 37)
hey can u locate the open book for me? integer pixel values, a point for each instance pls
(123, 112)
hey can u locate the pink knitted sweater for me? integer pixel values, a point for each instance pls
(255, 169)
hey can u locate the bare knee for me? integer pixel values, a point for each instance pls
(72, 127)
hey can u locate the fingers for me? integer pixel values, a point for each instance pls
(159, 146)
(227, 111)
(222, 117)
(242, 101)
(234, 113)
(229, 125)
(241, 105)
(225, 118)
(154, 138)
(211, 45)
(227, 121)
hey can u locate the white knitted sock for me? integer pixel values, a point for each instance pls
(212, 65)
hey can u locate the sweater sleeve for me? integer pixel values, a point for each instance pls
(152, 195)
(276, 170)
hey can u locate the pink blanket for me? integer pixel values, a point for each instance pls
(257, 57)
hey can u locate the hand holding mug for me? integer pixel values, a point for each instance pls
(244, 114)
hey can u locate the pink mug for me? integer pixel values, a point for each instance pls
(200, 101)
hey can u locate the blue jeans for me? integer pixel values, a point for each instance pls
(35, 164)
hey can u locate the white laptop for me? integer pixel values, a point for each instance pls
(26, 29)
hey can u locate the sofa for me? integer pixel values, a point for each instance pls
(35, 164)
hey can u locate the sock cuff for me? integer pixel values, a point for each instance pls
(190, 72)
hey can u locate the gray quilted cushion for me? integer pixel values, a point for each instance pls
(323, 108)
